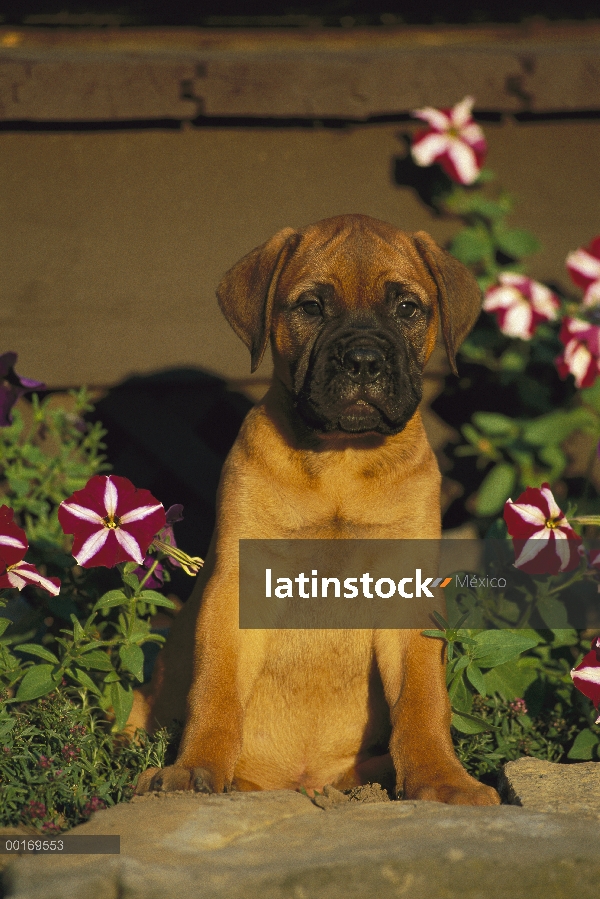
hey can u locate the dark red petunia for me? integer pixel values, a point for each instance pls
(111, 521)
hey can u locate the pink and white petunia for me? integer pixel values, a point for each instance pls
(586, 676)
(520, 304)
(14, 572)
(111, 521)
(583, 266)
(453, 140)
(543, 539)
(581, 356)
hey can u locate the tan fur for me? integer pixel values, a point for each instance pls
(271, 709)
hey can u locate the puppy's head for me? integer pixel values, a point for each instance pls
(352, 307)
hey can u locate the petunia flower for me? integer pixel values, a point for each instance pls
(453, 140)
(111, 521)
(14, 572)
(543, 539)
(165, 542)
(581, 356)
(165, 537)
(520, 304)
(12, 386)
(583, 266)
(586, 676)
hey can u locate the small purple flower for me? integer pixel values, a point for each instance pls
(78, 729)
(34, 809)
(156, 579)
(165, 535)
(44, 761)
(70, 752)
(174, 514)
(518, 707)
(95, 804)
(12, 387)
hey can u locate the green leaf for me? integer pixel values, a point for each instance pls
(509, 680)
(38, 681)
(516, 242)
(556, 426)
(470, 724)
(6, 727)
(471, 245)
(132, 659)
(553, 612)
(496, 489)
(591, 395)
(132, 581)
(497, 647)
(584, 746)
(485, 175)
(157, 599)
(122, 702)
(4, 623)
(112, 598)
(495, 425)
(489, 209)
(459, 695)
(86, 681)
(97, 660)
(512, 360)
(461, 663)
(129, 567)
(471, 434)
(78, 632)
(563, 637)
(554, 457)
(475, 677)
(35, 649)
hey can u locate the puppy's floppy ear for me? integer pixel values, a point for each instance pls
(247, 291)
(459, 296)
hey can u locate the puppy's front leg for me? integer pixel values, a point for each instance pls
(226, 663)
(412, 669)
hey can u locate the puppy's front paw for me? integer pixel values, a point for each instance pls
(174, 778)
(463, 792)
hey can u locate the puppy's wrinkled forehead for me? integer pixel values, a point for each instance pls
(357, 257)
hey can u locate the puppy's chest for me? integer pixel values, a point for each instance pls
(303, 669)
(353, 510)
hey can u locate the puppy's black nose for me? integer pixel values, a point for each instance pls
(363, 363)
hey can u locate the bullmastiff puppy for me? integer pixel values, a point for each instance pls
(351, 307)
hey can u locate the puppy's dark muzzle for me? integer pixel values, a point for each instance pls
(363, 364)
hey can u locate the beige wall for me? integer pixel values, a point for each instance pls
(112, 243)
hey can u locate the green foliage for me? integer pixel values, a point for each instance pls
(512, 695)
(68, 663)
(44, 461)
(521, 443)
(95, 637)
(58, 764)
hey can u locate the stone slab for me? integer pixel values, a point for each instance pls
(550, 787)
(279, 845)
(182, 73)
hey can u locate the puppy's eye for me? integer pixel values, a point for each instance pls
(406, 309)
(312, 308)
